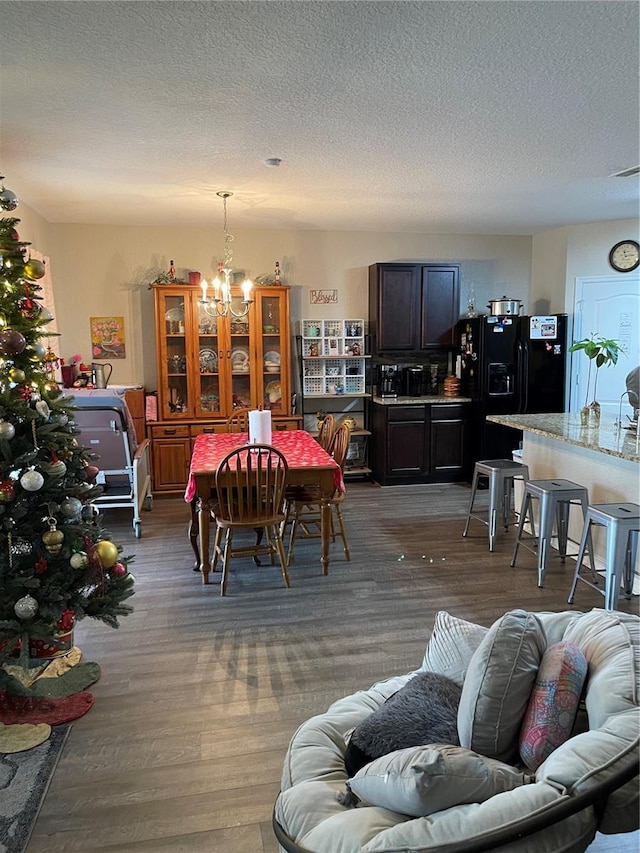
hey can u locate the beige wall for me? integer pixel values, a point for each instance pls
(105, 270)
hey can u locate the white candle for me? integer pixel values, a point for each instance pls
(203, 285)
(216, 288)
(246, 289)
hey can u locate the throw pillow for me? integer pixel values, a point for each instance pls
(498, 684)
(554, 702)
(423, 711)
(451, 646)
(427, 779)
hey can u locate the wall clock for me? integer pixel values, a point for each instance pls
(625, 256)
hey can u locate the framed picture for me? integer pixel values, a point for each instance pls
(107, 337)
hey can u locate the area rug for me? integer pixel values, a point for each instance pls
(24, 780)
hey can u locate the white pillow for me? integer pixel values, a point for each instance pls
(451, 646)
(421, 780)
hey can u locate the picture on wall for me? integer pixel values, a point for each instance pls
(107, 337)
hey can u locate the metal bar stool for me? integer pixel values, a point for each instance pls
(556, 498)
(501, 473)
(622, 524)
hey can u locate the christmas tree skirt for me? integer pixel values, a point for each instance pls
(40, 709)
(22, 736)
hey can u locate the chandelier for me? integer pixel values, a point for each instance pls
(221, 303)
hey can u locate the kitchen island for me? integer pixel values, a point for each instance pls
(603, 459)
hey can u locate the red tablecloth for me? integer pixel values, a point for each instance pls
(300, 450)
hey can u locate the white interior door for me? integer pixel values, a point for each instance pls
(608, 306)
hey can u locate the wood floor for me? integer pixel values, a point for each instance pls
(199, 694)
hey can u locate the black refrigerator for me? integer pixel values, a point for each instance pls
(510, 365)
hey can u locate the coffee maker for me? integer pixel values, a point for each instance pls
(414, 381)
(389, 380)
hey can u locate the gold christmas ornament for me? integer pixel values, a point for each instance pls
(34, 269)
(52, 537)
(16, 375)
(108, 553)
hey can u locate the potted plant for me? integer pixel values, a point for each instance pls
(603, 352)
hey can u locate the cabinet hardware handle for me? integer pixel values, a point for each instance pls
(168, 431)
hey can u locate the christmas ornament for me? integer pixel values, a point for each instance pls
(45, 316)
(26, 607)
(90, 512)
(42, 408)
(7, 492)
(12, 342)
(108, 553)
(79, 560)
(53, 538)
(32, 480)
(62, 418)
(37, 352)
(71, 507)
(119, 569)
(34, 268)
(91, 472)
(8, 200)
(51, 387)
(24, 392)
(7, 430)
(66, 621)
(55, 469)
(21, 547)
(17, 375)
(29, 307)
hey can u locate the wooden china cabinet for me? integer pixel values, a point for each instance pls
(209, 366)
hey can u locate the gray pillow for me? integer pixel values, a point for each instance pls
(424, 711)
(451, 646)
(427, 779)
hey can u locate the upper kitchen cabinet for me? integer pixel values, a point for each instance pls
(413, 307)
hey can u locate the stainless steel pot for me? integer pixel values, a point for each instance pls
(504, 307)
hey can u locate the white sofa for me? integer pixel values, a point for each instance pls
(587, 783)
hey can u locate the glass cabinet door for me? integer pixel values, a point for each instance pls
(273, 378)
(176, 398)
(239, 358)
(209, 367)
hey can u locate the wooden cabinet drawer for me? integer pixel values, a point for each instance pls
(448, 412)
(170, 431)
(406, 413)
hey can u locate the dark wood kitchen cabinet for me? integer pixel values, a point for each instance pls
(419, 443)
(413, 307)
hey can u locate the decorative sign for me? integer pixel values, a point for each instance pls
(107, 337)
(323, 297)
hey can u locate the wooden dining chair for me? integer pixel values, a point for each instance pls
(304, 511)
(249, 484)
(326, 431)
(238, 421)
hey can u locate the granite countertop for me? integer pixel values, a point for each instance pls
(606, 438)
(418, 401)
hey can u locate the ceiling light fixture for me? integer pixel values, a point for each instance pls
(272, 161)
(221, 303)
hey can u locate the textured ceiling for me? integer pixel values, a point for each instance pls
(470, 117)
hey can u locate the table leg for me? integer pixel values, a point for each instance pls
(193, 533)
(325, 528)
(203, 526)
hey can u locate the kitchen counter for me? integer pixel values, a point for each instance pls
(603, 460)
(566, 428)
(418, 401)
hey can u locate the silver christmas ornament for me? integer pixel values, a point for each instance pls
(7, 430)
(26, 607)
(8, 200)
(71, 507)
(32, 480)
(21, 547)
(42, 408)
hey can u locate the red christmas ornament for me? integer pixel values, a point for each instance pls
(119, 569)
(65, 622)
(7, 492)
(91, 472)
(40, 566)
(24, 392)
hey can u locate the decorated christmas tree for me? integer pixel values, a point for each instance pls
(57, 562)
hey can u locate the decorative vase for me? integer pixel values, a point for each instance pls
(594, 414)
(585, 411)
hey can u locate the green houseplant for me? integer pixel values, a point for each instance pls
(602, 352)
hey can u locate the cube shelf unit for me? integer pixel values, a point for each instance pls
(333, 368)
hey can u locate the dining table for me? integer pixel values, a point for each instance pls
(308, 465)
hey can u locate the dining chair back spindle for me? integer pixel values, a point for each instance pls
(238, 421)
(326, 431)
(249, 494)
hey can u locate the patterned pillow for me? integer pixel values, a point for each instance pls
(554, 702)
